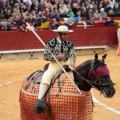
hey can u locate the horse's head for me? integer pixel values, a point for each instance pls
(99, 76)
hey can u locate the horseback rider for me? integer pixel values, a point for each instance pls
(62, 49)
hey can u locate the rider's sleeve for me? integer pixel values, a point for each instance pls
(47, 52)
(72, 55)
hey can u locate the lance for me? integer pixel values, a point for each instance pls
(54, 57)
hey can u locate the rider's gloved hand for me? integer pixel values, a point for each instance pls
(72, 65)
(61, 56)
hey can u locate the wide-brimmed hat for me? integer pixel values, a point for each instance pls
(63, 29)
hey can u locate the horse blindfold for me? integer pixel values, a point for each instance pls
(100, 72)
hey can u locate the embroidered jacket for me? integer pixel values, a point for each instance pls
(54, 46)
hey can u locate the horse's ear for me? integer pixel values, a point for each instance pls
(96, 56)
(94, 62)
(103, 57)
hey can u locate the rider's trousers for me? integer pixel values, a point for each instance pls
(53, 68)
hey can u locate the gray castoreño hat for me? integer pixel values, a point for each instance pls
(63, 29)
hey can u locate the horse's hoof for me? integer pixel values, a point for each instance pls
(40, 106)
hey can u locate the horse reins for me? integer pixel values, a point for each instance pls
(90, 82)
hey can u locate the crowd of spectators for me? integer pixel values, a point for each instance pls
(17, 12)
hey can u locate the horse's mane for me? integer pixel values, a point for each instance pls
(83, 64)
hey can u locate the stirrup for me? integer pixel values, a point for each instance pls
(40, 106)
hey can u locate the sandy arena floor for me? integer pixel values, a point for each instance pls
(12, 73)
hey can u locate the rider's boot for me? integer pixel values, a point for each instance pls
(40, 105)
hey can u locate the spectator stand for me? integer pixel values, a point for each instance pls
(47, 6)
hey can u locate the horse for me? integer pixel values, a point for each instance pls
(64, 101)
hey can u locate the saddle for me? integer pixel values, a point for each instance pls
(37, 75)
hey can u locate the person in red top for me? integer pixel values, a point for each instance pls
(118, 35)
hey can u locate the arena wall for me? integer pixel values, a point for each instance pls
(17, 40)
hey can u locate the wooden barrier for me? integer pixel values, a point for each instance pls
(38, 53)
(17, 40)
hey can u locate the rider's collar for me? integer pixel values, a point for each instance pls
(58, 40)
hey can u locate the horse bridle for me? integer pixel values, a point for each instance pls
(95, 83)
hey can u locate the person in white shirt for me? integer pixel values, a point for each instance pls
(28, 1)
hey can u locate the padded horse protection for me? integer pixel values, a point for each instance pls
(40, 105)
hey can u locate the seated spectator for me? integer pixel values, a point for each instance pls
(23, 27)
(22, 9)
(17, 20)
(28, 7)
(117, 14)
(55, 4)
(75, 7)
(78, 17)
(40, 17)
(54, 14)
(70, 14)
(37, 20)
(62, 3)
(23, 20)
(116, 7)
(42, 5)
(69, 22)
(27, 2)
(89, 21)
(6, 25)
(19, 3)
(32, 26)
(109, 21)
(27, 15)
(95, 7)
(44, 14)
(2, 14)
(12, 2)
(36, 8)
(33, 14)
(90, 14)
(111, 13)
(54, 24)
(10, 8)
(103, 14)
(4, 4)
(107, 8)
(49, 7)
(8, 14)
(69, 6)
(63, 11)
(16, 10)
(10, 20)
(96, 14)
(84, 13)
